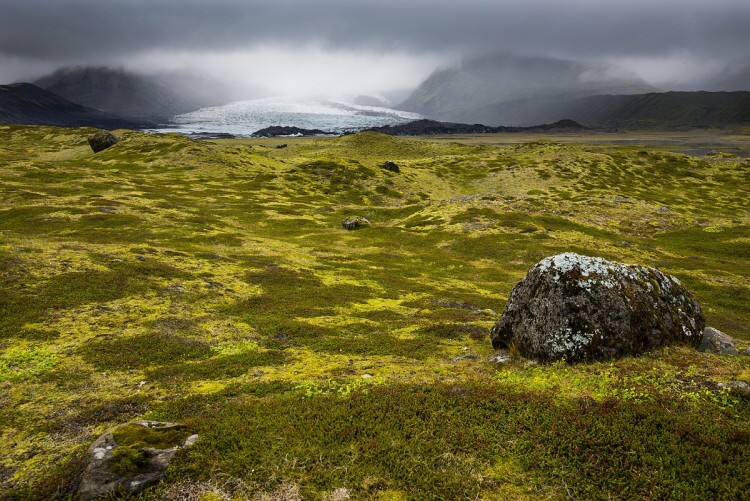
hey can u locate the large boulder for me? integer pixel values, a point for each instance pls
(101, 141)
(576, 308)
(131, 457)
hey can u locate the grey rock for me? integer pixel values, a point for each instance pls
(500, 358)
(747, 351)
(101, 141)
(391, 166)
(576, 308)
(736, 387)
(99, 481)
(468, 356)
(715, 341)
(355, 223)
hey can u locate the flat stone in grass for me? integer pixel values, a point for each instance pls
(576, 308)
(131, 457)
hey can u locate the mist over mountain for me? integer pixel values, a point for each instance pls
(118, 91)
(735, 76)
(463, 94)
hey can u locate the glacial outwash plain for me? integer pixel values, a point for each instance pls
(211, 283)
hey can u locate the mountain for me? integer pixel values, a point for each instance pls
(25, 103)
(462, 94)
(426, 127)
(666, 110)
(117, 91)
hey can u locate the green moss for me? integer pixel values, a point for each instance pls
(128, 461)
(212, 283)
(135, 435)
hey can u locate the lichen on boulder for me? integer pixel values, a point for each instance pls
(579, 308)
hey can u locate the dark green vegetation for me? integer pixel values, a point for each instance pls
(211, 283)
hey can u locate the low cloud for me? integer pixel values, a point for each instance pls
(352, 46)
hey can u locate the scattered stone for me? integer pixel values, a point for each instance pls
(622, 200)
(140, 258)
(131, 466)
(468, 356)
(281, 146)
(367, 376)
(391, 166)
(747, 351)
(664, 210)
(500, 358)
(487, 312)
(715, 341)
(576, 307)
(736, 386)
(355, 223)
(101, 141)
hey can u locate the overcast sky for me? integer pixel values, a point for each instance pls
(367, 46)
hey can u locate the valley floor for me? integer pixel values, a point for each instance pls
(211, 283)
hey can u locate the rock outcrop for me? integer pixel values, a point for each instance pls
(577, 308)
(131, 457)
(101, 141)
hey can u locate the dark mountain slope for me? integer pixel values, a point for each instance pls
(116, 91)
(25, 103)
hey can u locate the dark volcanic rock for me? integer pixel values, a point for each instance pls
(584, 308)
(101, 141)
(355, 223)
(715, 341)
(428, 127)
(276, 130)
(129, 468)
(391, 166)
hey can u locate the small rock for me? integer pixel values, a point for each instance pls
(281, 146)
(500, 358)
(355, 223)
(747, 351)
(736, 386)
(664, 210)
(715, 341)
(367, 376)
(391, 166)
(101, 141)
(468, 356)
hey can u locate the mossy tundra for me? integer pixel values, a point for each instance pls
(211, 283)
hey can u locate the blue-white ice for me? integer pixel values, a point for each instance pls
(245, 117)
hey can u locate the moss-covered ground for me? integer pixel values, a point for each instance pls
(211, 283)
